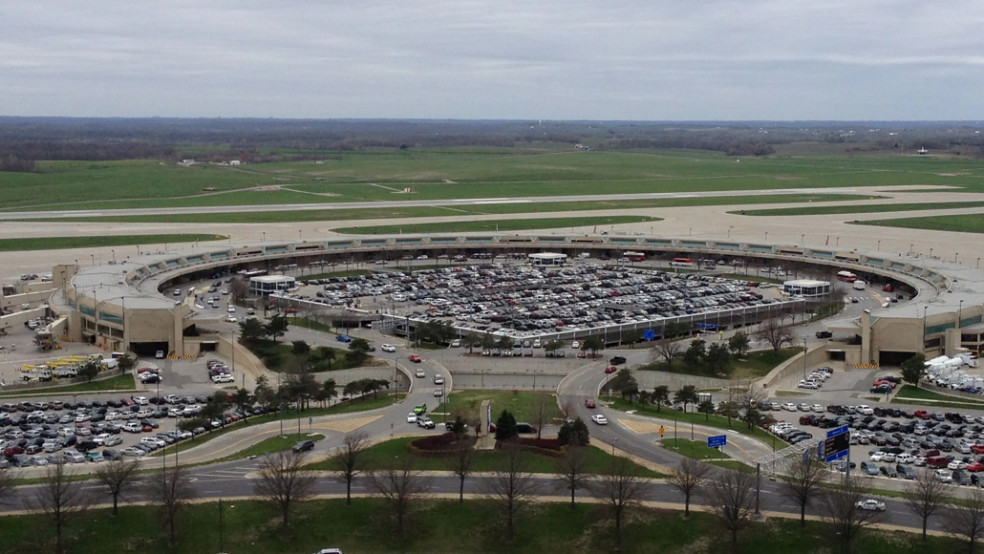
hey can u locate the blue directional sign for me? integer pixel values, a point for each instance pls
(717, 440)
(649, 334)
(836, 445)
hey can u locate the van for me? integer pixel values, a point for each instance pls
(937, 462)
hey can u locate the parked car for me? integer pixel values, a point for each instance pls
(303, 446)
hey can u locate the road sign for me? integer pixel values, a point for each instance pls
(836, 445)
(717, 440)
(649, 334)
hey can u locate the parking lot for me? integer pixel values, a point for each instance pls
(524, 301)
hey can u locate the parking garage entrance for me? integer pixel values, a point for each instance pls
(893, 358)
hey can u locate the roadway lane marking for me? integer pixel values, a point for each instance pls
(648, 428)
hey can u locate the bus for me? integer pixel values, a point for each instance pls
(683, 262)
(846, 276)
(635, 256)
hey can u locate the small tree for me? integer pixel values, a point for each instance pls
(846, 517)
(621, 487)
(927, 496)
(171, 488)
(282, 482)
(574, 432)
(739, 343)
(348, 459)
(732, 497)
(117, 475)
(776, 333)
(593, 345)
(400, 488)
(541, 410)
(695, 353)
(461, 460)
(706, 407)
(913, 369)
(660, 396)
(505, 426)
(89, 370)
(717, 359)
(511, 488)
(276, 327)
(967, 520)
(686, 395)
(58, 497)
(666, 349)
(471, 340)
(688, 477)
(624, 383)
(571, 467)
(804, 478)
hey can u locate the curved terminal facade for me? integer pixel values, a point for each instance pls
(127, 306)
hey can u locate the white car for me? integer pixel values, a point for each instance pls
(438, 392)
(817, 408)
(803, 407)
(231, 319)
(789, 407)
(864, 409)
(112, 440)
(600, 419)
(956, 464)
(905, 458)
(575, 345)
(943, 476)
(411, 418)
(420, 373)
(388, 348)
(870, 504)
(877, 456)
(142, 400)
(231, 309)
(133, 451)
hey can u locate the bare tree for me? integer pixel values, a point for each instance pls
(803, 481)
(731, 495)
(845, 513)
(621, 487)
(460, 463)
(171, 488)
(117, 475)
(667, 349)
(688, 477)
(400, 487)
(58, 498)
(282, 482)
(571, 467)
(967, 520)
(927, 496)
(540, 411)
(512, 487)
(347, 460)
(776, 333)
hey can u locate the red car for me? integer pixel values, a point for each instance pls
(921, 414)
(976, 466)
(611, 369)
(588, 403)
(977, 448)
(414, 358)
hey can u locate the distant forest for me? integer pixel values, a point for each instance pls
(26, 140)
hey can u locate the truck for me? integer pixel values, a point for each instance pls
(859, 285)
(66, 371)
(44, 340)
(37, 374)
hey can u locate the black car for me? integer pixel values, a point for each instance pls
(617, 360)
(523, 427)
(303, 446)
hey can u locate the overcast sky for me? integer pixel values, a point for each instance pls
(540, 59)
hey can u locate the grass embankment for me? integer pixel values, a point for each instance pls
(101, 241)
(490, 226)
(290, 418)
(438, 526)
(275, 355)
(123, 382)
(694, 449)
(861, 208)
(708, 420)
(968, 224)
(394, 452)
(519, 404)
(752, 365)
(909, 394)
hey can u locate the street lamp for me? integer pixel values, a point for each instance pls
(959, 312)
(804, 358)
(802, 239)
(879, 246)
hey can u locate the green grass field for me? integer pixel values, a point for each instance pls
(693, 449)
(469, 402)
(459, 173)
(97, 241)
(118, 382)
(963, 224)
(496, 225)
(913, 395)
(861, 208)
(438, 527)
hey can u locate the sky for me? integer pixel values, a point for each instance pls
(466, 59)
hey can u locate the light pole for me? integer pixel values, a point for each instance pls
(959, 312)
(802, 239)
(804, 358)
(879, 246)
(766, 236)
(113, 250)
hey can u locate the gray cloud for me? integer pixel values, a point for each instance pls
(659, 59)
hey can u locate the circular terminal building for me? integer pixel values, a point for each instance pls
(131, 305)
